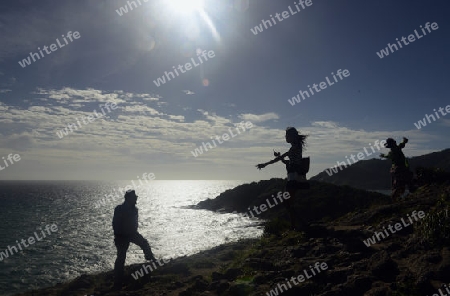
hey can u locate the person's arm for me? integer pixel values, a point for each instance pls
(281, 157)
(277, 154)
(388, 156)
(402, 144)
(116, 220)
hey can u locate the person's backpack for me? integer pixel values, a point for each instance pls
(303, 169)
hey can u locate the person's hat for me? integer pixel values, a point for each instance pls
(130, 193)
(390, 143)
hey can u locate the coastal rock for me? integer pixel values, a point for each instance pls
(401, 264)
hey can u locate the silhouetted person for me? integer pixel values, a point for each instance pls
(125, 225)
(296, 168)
(401, 176)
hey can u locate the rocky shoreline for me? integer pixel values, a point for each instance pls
(405, 263)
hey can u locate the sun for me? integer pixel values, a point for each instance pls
(186, 6)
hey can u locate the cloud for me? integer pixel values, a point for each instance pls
(177, 117)
(215, 119)
(141, 109)
(445, 122)
(88, 95)
(141, 134)
(188, 92)
(326, 124)
(259, 118)
(18, 142)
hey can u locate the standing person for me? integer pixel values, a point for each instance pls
(125, 226)
(401, 176)
(296, 168)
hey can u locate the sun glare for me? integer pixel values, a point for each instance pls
(186, 6)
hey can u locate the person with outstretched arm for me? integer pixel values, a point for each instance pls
(401, 176)
(296, 167)
(125, 226)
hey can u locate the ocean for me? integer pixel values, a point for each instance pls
(66, 227)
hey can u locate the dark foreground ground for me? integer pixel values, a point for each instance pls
(412, 261)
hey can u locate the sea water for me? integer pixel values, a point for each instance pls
(83, 242)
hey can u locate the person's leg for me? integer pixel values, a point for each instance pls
(399, 183)
(139, 240)
(393, 194)
(411, 182)
(295, 183)
(289, 204)
(399, 192)
(122, 245)
(296, 221)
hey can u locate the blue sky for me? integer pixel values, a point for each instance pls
(250, 78)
